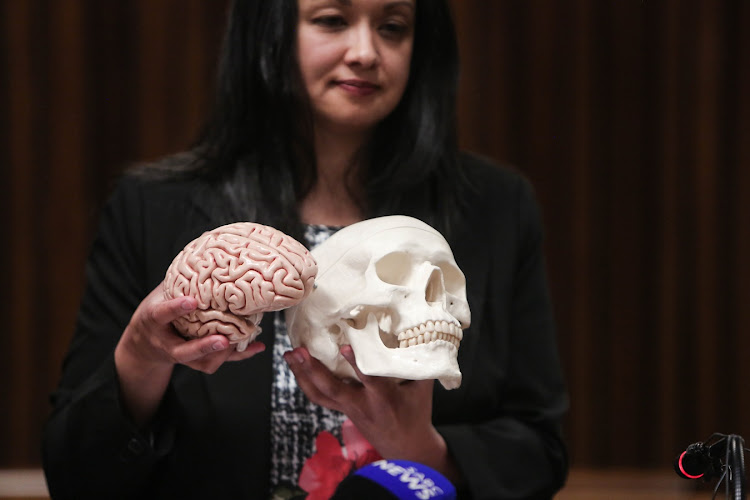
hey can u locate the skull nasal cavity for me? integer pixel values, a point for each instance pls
(435, 291)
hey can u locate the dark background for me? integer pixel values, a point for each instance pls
(631, 117)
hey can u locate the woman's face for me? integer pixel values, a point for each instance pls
(354, 57)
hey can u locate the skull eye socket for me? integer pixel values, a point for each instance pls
(394, 268)
(452, 277)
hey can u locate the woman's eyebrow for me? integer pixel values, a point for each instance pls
(391, 5)
(400, 3)
(346, 3)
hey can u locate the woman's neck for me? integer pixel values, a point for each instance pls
(331, 201)
(336, 152)
(324, 207)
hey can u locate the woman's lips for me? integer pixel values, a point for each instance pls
(358, 87)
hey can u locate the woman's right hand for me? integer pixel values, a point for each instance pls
(150, 347)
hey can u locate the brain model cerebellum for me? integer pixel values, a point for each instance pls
(236, 272)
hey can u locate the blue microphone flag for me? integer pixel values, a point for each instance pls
(409, 480)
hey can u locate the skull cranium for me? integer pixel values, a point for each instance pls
(390, 288)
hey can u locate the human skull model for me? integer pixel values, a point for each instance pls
(390, 288)
(236, 272)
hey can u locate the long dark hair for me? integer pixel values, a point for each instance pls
(257, 146)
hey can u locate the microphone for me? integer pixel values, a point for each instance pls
(395, 480)
(702, 460)
(694, 462)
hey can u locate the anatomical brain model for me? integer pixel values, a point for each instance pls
(390, 288)
(237, 272)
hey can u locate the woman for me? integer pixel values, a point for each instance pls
(328, 112)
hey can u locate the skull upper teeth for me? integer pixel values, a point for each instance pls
(431, 331)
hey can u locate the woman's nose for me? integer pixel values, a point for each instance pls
(363, 50)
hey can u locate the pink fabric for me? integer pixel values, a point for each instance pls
(331, 462)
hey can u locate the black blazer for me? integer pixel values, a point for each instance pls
(210, 438)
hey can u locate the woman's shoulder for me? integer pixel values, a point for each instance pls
(491, 180)
(158, 194)
(168, 173)
(481, 170)
(157, 184)
(155, 216)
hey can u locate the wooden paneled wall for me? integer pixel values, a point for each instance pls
(88, 86)
(633, 121)
(632, 118)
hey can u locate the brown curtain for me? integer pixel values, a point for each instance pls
(632, 119)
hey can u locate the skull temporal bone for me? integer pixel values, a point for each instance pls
(390, 288)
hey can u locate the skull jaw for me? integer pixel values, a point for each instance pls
(433, 360)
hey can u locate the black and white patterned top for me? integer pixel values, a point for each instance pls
(295, 421)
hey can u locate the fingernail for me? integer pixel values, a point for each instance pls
(217, 346)
(293, 358)
(187, 305)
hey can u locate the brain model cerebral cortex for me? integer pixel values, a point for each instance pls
(236, 273)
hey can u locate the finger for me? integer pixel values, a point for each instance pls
(187, 351)
(348, 353)
(317, 382)
(163, 312)
(210, 362)
(213, 360)
(312, 392)
(419, 386)
(251, 350)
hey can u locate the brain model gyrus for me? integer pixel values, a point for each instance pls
(236, 272)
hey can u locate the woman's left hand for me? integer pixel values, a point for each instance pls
(395, 416)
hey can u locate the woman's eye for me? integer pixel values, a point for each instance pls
(394, 29)
(330, 21)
